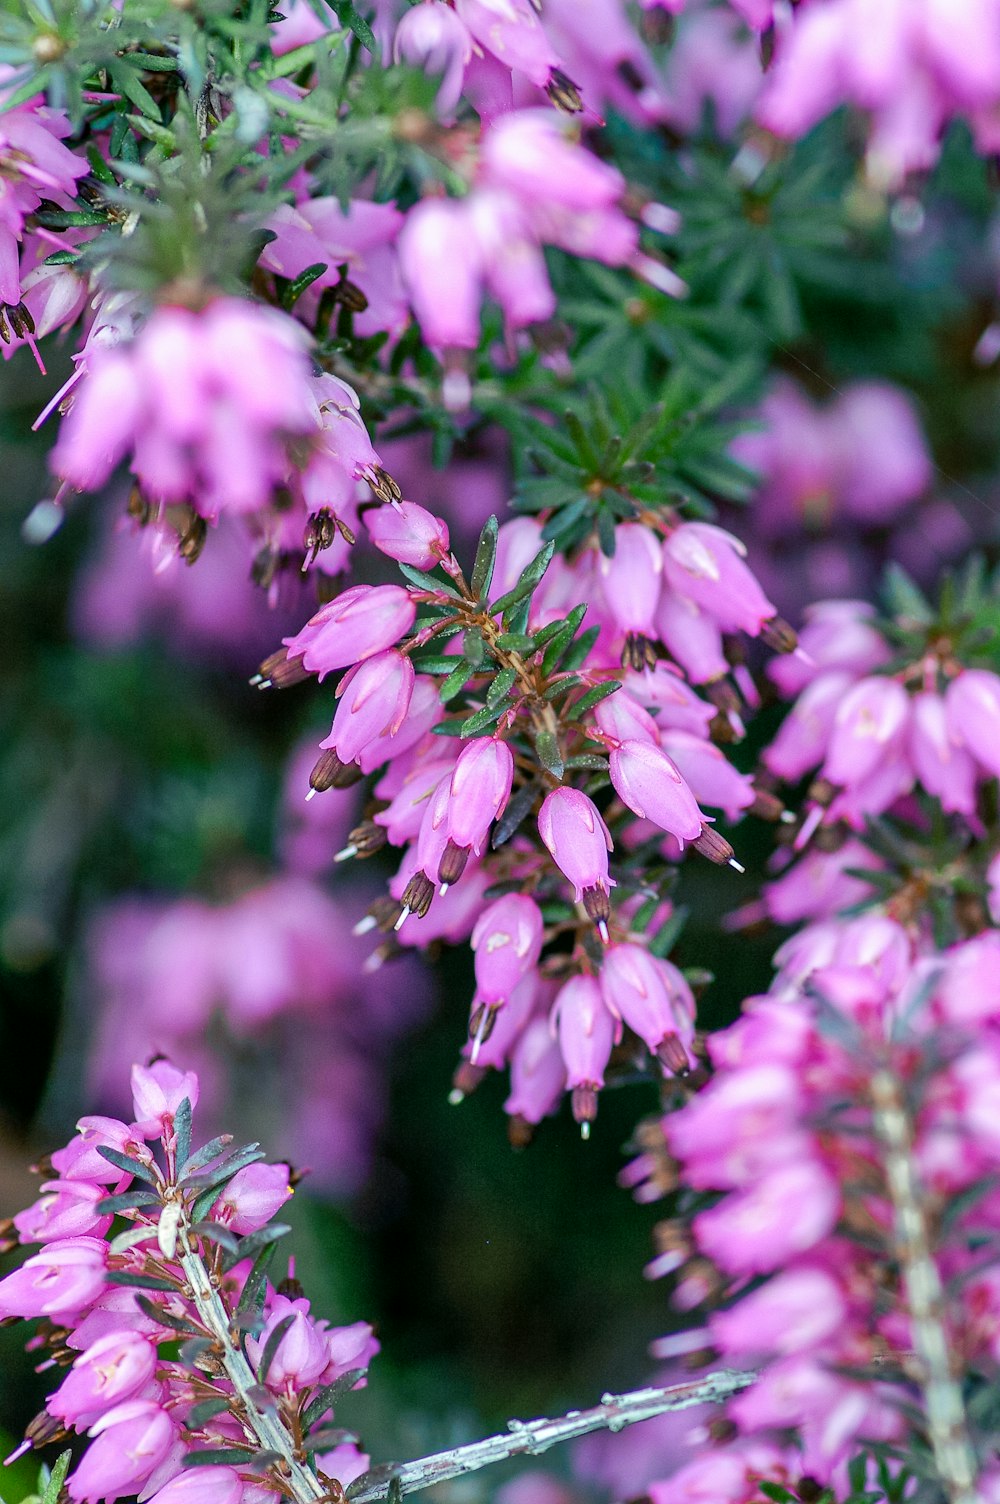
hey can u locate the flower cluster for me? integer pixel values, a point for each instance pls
(153, 1260)
(844, 1151)
(540, 693)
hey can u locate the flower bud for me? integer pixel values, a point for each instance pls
(157, 1092)
(406, 532)
(480, 788)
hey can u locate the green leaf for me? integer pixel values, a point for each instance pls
(205, 1410)
(517, 811)
(577, 652)
(224, 1456)
(348, 16)
(547, 748)
(486, 556)
(255, 1286)
(297, 287)
(204, 1156)
(327, 1397)
(905, 598)
(140, 1281)
(271, 1346)
(456, 681)
(428, 582)
(527, 581)
(57, 1478)
(515, 642)
(126, 1163)
(182, 1130)
(127, 82)
(591, 698)
(252, 1245)
(501, 687)
(669, 933)
(484, 720)
(62, 258)
(112, 1205)
(165, 1318)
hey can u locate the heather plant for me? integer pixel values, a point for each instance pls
(582, 413)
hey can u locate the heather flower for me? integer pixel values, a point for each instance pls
(972, 712)
(435, 38)
(653, 788)
(360, 622)
(586, 1034)
(202, 1485)
(111, 1370)
(373, 700)
(128, 1443)
(479, 789)
(513, 33)
(36, 166)
(201, 403)
(705, 564)
(252, 1197)
(405, 531)
(652, 998)
(507, 941)
(579, 841)
(537, 1074)
(869, 720)
(60, 1282)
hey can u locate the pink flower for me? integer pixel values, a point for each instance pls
(201, 1485)
(653, 788)
(405, 531)
(301, 1354)
(441, 262)
(586, 1034)
(537, 1073)
(201, 402)
(795, 1310)
(789, 1210)
(972, 710)
(507, 940)
(705, 564)
(944, 769)
(252, 1197)
(348, 1348)
(113, 1369)
(869, 722)
(433, 37)
(360, 622)
(578, 840)
(651, 997)
(157, 1092)
(479, 790)
(512, 32)
(692, 637)
(709, 774)
(374, 699)
(630, 579)
(64, 1210)
(60, 1282)
(622, 719)
(128, 1444)
(35, 166)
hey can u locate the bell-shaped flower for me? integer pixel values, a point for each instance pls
(360, 622)
(433, 37)
(373, 700)
(214, 1484)
(60, 1282)
(441, 261)
(578, 841)
(113, 1369)
(636, 990)
(945, 769)
(507, 941)
(586, 1031)
(157, 1092)
(692, 637)
(127, 1444)
(301, 1353)
(537, 1073)
(622, 719)
(251, 1198)
(480, 788)
(972, 703)
(705, 563)
(652, 786)
(630, 578)
(870, 721)
(405, 531)
(709, 774)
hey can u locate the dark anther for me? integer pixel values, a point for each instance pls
(671, 1053)
(330, 773)
(278, 671)
(452, 863)
(777, 634)
(192, 540)
(367, 838)
(519, 1131)
(418, 893)
(563, 92)
(320, 531)
(714, 846)
(638, 652)
(383, 485)
(350, 296)
(723, 695)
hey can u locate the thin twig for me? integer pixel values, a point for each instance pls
(533, 1436)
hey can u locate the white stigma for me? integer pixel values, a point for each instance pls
(736, 866)
(402, 918)
(346, 854)
(365, 925)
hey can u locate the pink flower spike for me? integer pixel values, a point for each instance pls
(507, 941)
(651, 785)
(578, 841)
(374, 699)
(586, 1032)
(406, 532)
(157, 1092)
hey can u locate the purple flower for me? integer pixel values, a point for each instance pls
(706, 564)
(433, 37)
(61, 1282)
(870, 720)
(374, 699)
(405, 531)
(355, 625)
(972, 709)
(578, 840)
(507, 941)
(653, 788)
(157, 1092)
(479, 790)
(301, 1354)
(537, 1073)
(651, 998)
(252, 1197)
(128, 1444)
(586, 1034)
(113, 1369)
(201, 1485)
